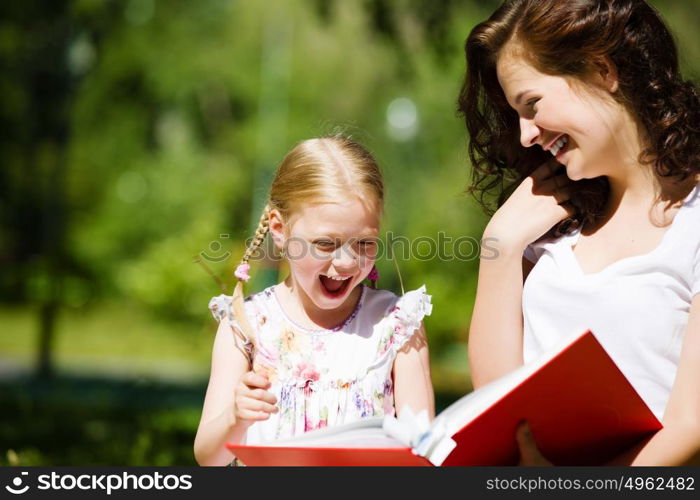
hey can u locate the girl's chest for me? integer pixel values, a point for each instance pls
(301, 353)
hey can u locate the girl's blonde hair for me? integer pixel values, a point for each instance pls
(320, 170)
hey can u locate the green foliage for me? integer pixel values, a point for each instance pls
(80, 421)
(179, 112)
(181, 120)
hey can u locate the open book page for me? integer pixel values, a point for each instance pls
(464, 410)
(365, 433)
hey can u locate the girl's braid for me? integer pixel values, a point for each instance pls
(260, 232)
(245, 336)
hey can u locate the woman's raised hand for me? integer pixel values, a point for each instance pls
(253, 402)
(536, 205)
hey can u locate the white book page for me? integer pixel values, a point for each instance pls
(365, 433)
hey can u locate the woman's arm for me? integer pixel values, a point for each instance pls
(228, 381)
(496, 329)
(678, 443)
(412, 383)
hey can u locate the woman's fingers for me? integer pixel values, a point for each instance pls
(529, 452)
(562, 195)
(552, 183)
(546, 170)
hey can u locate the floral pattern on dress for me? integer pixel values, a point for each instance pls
(327, 377)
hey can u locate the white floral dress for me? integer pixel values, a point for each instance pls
(327, 377)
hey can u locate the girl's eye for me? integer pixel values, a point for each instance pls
(325, 245)
(531, 103)
(366, 246)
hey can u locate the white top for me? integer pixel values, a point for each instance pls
(328, 377)
(638, 307)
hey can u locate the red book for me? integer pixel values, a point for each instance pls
(581, 409)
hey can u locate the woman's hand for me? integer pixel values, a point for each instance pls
(529, 452)
(253, 402)
(537, 204)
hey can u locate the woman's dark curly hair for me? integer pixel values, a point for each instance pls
(570, 38)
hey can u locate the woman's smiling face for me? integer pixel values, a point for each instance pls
(579, 126)
(331, 248)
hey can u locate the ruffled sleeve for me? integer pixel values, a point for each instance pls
(221, 308)
(405, 318)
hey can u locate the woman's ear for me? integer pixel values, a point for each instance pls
(607, 72)
(277, 227)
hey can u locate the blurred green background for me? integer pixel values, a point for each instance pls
(140, 136)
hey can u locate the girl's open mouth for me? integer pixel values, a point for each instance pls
(334, 287)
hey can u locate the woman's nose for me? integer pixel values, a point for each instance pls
(529, 132)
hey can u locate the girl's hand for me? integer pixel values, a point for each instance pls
(536, 205)
(529, 452)
(252, 400)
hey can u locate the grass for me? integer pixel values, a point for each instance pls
(112, 339)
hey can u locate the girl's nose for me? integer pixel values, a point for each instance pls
(529, 132)
(344, 258)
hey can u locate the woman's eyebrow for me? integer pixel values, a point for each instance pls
(520, 96)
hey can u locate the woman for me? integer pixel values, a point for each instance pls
(577, 110)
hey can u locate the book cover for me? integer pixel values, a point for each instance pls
(581, 409)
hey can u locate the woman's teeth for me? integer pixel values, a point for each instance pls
(558, 145)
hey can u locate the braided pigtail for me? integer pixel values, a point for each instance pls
(247, 336)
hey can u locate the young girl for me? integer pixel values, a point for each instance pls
(320, 348)
(580, 108)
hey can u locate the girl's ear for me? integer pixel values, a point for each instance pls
(277, 228)
(607, 72)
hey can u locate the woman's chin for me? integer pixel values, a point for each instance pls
(573, 173)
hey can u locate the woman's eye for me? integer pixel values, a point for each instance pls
(531, 103)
